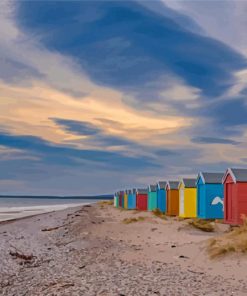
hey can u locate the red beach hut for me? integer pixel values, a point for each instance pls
(235, 195)
(121, 199)
(142, 199)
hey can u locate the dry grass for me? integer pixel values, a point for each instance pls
(219, 221)
(105, 202)
(181, 219)
(122, 209)
(133, 220)
(136, 212)
(204, 225)
(234, 241)
(159, 214)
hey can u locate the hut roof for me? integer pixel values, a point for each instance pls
(152, 188)
(142, 191)
(172, 184)
(161, 184)
(189, 182)
(210, 178)
(238, 175)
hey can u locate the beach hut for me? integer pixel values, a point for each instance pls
(142, 199)
(187, 198)
(235, 195)
(121, 193)
(172, 198)
(132, 199)
(125, 205)
(152, 198)
(116, 200)
(210, 196)
(161, 196)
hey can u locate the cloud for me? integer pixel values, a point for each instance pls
(211, 140)
(240, 86)
(40, 167)
(228, 113)
(165, 152)
(183, 20)
(77, 127)
(93, 134)
(23, 59)
(64, 155)
(32, 108)
(128, 56)
(11, 71)
(223, 20)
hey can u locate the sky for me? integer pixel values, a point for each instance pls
(98, 96)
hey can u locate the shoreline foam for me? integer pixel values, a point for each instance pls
(14, 213)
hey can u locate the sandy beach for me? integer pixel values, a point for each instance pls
(90, 251)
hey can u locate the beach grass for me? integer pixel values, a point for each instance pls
(203, 225)
(136, 211)
(159, 214)
(133, 220)
(233, 241)
(105, 202)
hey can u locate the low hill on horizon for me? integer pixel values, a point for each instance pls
(104, 196)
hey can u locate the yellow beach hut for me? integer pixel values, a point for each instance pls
(125, 199)
(187, 198)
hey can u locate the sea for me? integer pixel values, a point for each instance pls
(19, 207)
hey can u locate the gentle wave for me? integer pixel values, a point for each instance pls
(16, 212)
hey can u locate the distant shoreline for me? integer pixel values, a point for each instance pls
(100, 197)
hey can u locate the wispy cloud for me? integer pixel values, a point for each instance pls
(223, 20)
(91, 133)
(71, 156)
(208, 140)
(128, 57)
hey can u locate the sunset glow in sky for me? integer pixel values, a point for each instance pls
(97, 96)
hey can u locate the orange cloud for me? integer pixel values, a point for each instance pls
(27, 110)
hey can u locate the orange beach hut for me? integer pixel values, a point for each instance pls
(172, 198)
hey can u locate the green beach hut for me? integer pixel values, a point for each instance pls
(116, 200)
(152, 197)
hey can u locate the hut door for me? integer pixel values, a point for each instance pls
(229, 197)
(181, 205)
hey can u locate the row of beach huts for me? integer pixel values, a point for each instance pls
(209, 196)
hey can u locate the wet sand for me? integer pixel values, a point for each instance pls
(90, 251)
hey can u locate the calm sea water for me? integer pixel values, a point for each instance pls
(12, 208)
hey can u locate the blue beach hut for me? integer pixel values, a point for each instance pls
(132, 199)
(210, 195)
(161, 196)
